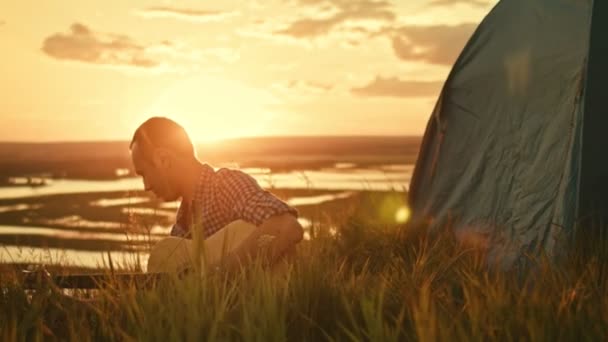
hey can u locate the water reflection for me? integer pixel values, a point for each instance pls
(312, 200)
(70, 257)
(75, 234)
(170, 205)
(111, 202)
(149, 211)
(65, 186)
(160, 230)
(293, 201)
(19, 207)
(344, 165)
(75, 221)
(84, 258)
(122, 172)
(256, 170)
(306, 225)
(326, 180)
(29, 181)
(396, 177)
(346, 178)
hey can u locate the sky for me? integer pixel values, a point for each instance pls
(94, 70)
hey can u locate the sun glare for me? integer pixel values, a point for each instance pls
(213, 109)
(402, 215)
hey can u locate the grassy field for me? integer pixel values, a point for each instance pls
(372, 281)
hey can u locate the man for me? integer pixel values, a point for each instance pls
(164, 156)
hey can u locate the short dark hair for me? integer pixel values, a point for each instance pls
(163, 132)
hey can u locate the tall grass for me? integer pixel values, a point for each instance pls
(370, 282)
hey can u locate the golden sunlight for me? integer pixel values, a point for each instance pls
(213, 109)
(402, 215)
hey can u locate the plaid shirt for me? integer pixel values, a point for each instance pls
(224, 196)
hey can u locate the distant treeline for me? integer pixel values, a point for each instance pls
(100, 160)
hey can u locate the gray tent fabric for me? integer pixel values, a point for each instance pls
(502, 153)
(594, 166)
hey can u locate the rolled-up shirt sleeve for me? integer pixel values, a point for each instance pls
(249, 202)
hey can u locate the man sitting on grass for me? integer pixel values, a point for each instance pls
(163, 155)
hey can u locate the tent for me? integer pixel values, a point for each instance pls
(514, 151)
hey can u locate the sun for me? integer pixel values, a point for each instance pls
(212, 109)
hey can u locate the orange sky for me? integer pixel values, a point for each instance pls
(93, 70)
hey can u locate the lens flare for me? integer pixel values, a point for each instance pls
(402, 215)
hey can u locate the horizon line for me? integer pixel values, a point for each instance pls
(14, 142)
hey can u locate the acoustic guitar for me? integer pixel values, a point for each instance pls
(171, 255)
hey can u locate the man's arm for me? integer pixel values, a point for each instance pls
(275, 237)
(278, 230)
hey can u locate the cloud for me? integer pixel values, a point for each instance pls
(439, 44)
(394, 87)
(310, 27)
(296, 90)
(82, 44)
(309, 86)
(476, 3)
(185, 14)
(341, 12)
(264, 29)
(85, 45)
(356, 20)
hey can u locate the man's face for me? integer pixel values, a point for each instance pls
(155, 171)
